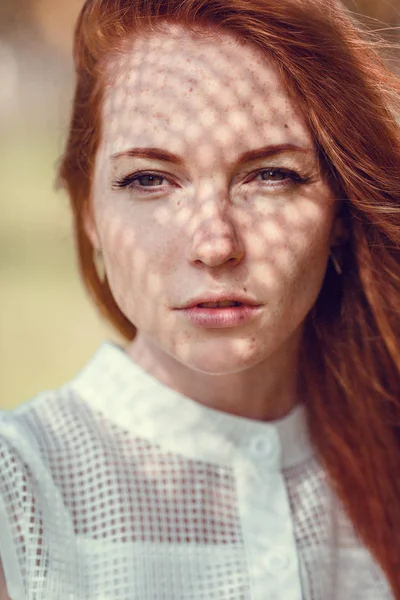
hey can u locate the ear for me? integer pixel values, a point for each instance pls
(89, 226)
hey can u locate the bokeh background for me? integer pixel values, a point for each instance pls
(48, 327)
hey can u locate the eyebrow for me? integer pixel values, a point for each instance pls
(250, 155)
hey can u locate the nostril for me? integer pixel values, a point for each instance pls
(235, 260)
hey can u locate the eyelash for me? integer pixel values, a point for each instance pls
(127, 181)
(293, 179)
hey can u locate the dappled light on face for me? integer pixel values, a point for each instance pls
(205, 211)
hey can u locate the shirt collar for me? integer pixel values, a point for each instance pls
(113, 385)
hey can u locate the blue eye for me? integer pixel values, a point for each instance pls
(278, 177)
(149, 180)
(273, 175)
(140, 180)
(281, 175)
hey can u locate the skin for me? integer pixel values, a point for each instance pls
(212, 223)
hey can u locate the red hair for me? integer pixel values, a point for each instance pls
(351, 349)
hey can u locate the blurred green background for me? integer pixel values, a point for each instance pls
(48, 327)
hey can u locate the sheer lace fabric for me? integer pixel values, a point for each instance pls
(115, 487)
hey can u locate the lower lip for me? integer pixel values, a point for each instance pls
(218, 318)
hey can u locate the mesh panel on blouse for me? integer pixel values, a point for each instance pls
(104, 499)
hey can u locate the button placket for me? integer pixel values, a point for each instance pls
(267, 520)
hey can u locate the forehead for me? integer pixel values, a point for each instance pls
(180, 91)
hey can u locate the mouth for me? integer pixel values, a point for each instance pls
(220, 301)
(219, 304)
(221, 312)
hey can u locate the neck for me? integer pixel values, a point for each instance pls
(266, 391)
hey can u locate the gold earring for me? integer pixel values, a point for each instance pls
(99, 263)
(335, 263)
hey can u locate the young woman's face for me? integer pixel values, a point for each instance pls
(207, 187)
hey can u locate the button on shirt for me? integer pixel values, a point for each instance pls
(117, 487)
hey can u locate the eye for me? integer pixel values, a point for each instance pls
(280, 176)
(273, 175)
(149, 180)
(140, 180)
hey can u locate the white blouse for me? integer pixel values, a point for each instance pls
(116, 487)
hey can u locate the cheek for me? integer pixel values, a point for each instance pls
(139, 255)
(291, 241)
(303, 256)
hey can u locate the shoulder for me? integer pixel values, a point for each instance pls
(27, 427)
(27, 435)
(51, 418)
(41, 438)
(47, 425)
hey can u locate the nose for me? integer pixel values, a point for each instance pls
(215, 240)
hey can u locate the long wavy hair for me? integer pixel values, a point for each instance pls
(351, 346)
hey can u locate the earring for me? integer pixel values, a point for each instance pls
(99, 263)
(335, 263)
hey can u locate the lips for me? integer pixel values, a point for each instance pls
(221, 300)
(224, 311)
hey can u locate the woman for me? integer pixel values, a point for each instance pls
(233, 171)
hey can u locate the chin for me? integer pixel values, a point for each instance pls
(220, 361)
